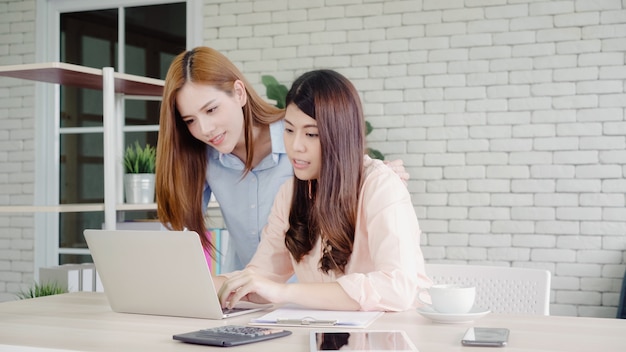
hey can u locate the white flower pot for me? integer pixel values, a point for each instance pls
(139, 188)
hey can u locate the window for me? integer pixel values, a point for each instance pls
(139, 40)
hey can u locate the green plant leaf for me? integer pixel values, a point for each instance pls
(375, 154)
(275, 90)
(138, 160)
(40, 290)
(269, 80)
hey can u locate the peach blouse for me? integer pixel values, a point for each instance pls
(386, 268)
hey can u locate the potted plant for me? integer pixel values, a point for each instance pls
(139, 173)
(40, 290)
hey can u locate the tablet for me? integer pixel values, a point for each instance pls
(362, 340)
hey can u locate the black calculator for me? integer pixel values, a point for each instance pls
(231, 335)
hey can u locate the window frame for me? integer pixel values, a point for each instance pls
(47, 132)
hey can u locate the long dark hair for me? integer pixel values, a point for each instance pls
(327, 207)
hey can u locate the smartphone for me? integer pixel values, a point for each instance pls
(491, 337)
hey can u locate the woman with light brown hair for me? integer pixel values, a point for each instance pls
(217, 136)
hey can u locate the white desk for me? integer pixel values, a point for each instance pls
(83, 321)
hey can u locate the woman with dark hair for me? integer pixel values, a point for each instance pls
(345, 226)
(218, 136)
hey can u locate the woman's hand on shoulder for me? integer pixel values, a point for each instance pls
(246, 285)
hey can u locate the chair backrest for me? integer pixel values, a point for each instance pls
(500, 289)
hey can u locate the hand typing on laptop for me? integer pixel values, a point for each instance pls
(244, 286)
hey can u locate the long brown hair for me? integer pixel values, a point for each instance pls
(181, 163)
(327, 207)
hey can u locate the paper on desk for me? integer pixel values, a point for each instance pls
(295, 315)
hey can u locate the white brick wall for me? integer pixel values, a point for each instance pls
(17, 33)
(508, 114)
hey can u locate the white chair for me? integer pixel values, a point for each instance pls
(500, 289)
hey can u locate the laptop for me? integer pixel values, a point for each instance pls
(158, 273)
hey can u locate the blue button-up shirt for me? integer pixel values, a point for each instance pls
(246, 202)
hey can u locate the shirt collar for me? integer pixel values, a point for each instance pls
(278, 147)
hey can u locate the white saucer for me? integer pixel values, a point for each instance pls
(435, 316)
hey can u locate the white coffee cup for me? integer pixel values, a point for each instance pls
(450, 298)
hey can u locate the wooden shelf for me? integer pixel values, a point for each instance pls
(74, 208)
(110, 83)
(114, 87)
(83, 77)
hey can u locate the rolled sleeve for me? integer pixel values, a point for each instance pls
(381, 291)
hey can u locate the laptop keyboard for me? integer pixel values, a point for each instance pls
(231, 335)
(233, 310)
